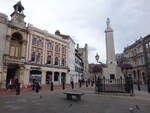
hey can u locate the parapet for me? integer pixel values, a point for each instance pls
(3, 18)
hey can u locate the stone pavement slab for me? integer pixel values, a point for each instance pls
(56, 102)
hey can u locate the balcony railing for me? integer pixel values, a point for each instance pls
(7, 59)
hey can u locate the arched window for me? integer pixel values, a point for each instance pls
(15, 45)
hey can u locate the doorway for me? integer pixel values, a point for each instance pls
(11, 72)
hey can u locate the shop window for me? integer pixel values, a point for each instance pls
(35, 75)
(34, 41)
(49, 59)
(33, 57)
(56, 76)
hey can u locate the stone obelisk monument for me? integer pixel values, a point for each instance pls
(111, 71)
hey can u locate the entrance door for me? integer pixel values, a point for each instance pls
(11, 73)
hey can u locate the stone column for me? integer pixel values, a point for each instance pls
(43, 77)
(26, 76)
(4, 75)
(7, 46)
(54, 53)
(53, 77)
(23, 49)
(21, 75)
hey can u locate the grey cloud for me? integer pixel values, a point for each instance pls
(86, 20)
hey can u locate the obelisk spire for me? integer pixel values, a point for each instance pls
(108, 29)
(108, 22)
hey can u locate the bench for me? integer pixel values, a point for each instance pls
(76, 94)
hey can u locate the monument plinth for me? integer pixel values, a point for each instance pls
(112, 71)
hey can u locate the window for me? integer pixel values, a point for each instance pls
(57, 48)
(50, 46)
(34, 41)
(146, 45)
(63, 49)
(38, 58)
(112, 76)
(149, 44)
(33, 57)
(63, 62)
(40, 43)
(56, 76)
(56, 61)
(49, 59)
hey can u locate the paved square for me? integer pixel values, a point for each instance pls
(56, 102)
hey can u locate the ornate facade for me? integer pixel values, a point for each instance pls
(29, 53)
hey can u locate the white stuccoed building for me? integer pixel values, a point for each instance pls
(70, 56)
(112, 71)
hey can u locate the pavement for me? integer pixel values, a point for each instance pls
(55, 102)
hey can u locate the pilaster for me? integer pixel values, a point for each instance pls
(43, 77)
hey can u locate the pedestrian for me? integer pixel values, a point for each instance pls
(13, 83)
(80, 83)
(52, 88)
(86, 82)
(33, 84)
(72, 84)
(37, 86)
(92, 82)
(63, 84)
(10, 84)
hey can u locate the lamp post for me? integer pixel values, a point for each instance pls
(97, 58)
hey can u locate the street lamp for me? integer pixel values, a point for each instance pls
(97, 58)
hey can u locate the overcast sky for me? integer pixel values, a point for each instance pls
(85, 20)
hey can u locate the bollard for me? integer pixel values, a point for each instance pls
(37, 87)
(52, 87)
(18, 88)
(63, 85)
(72, 85)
